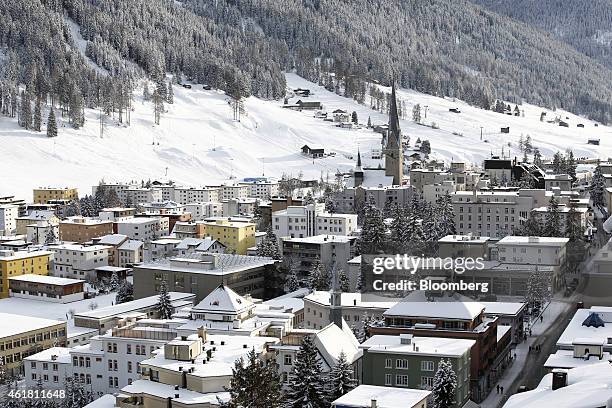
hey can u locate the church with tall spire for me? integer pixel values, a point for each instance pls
(394, 155)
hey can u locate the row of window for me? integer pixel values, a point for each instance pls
(402, 364)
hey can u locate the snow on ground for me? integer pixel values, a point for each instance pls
(199, 143)
(51, 310)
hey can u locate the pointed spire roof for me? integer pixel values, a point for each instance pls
(223, 300)
(593, 320)
(394, 126)
(358, 168)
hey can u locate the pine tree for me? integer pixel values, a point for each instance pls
(556, 163)
(158, 106)
(369, 122)
(537, 157)
(359, 286)
(538, 289)
(597, 188)
(114, 282)
(125, 292)
(373, 230)
(51, 124)
(552, 227)
(25, 115)
(37, 116)
(444, 386)
(354, 118)
(446, 215)
(308, 199)
(570, 164)
(146, 94)
(343, 281)
(306, 384)
(573, 227)
(164, 307)
(416, 113)
(318, 277)
(531, 228)
(293, 282)
(254, 384)
(521, 143)
(50, 236)
(268, 246)
(528, 145)
(170, 96)
(340, 379)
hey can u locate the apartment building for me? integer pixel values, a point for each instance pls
(46, 288)
(330, 250)
(492, 214)
(22, 336)
(83, 229)
(261, 189)
(17, 263)
(43, 195)
(236, 236)
(36, 217)
(433, 192)
(407, 361)
(563, 182)
(430, 176)
(117, 214)
(138, 195)
(144, 229)
(234, 191)
(296, 221)
(109, 362)
(162, 248)
(202, 210)
(8, 218)
(532, 250)
(186, 195)
(336, 224)
(79, 261)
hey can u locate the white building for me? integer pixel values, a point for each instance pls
(532, 250)
(368, 396)
(8, 217)
(137, 195)
(581, 215)
(109, 362)
(296, 221)
(163, 207)
(162, 248)
(563, 182)
(491, 213)
(202, 210)
(186, 195)
(79, 261)
(233, 191)
(261, 189)
(336, 224)
(144, 229)
(422, 177)
(432, 192)
(129, 253)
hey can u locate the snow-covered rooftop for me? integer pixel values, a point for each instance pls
(353, 299)
(575, 329)
(331, 341)
(48, 280)
(566, 359)
(441, 310)
(133, 305)
(464, 239)
(223, 300)
(503, 308)
(12, 324)
(437, 346)
(536, 241)
(53, 354)
(386, 397)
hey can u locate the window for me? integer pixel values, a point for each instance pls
(129, 349)
(388, 379)
(427, 365)
(427, 382)
(129, 366)
(401, 380)
(288, 359)
(401, 364)
(388, 363)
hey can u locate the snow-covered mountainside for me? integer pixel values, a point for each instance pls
(199, 143)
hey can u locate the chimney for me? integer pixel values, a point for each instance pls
(373, 403)
(405, 338)
(559, 379)
(202, 333)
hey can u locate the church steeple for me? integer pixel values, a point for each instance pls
(358, 160)
(335, 301)
(394, 157)
(358, 172)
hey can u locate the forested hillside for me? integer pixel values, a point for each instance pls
(587, 26)
(90, 53)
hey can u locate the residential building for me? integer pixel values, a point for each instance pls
(201, 273)
(234, 191)
(330, 250)
(563, 182)
(83, 229)
(193, 245)
(419, 178)
(43, 195)
(138, 195)
(202, 210)
(532, 250)
(581, 215)
(22, 336)
(296, 221)
(113, 241)
(262, 189)
(162, 248)
(433, 192)
(236, 236)
(117, 214)
(8, 218)
(144, 229)
(34, 218)
(407, 361)
(79, 261)
(336, 224)
(17, 263)
(46, 288)
(130, 253)
(186, 195)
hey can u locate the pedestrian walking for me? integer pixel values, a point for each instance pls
(502, 389)
(498, 388)
(541, 318)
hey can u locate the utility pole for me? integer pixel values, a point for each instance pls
(101, 124)
(426, 106)
(481, 133)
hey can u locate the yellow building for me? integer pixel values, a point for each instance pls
(236, 236)
(44, 195)
(22, 336)
(20, 263)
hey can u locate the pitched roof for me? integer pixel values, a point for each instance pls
(593, 320)
(394, 127)
(223, 300)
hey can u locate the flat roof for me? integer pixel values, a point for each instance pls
(434, 346)
(386, 397)
(465, 239)
(437, 310)
(12, 324)
(522, 240)
(503, 308)
(575, 330)
(16, 255)
(48, 280)
(131, 306)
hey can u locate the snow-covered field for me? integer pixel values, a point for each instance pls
(198, 143)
